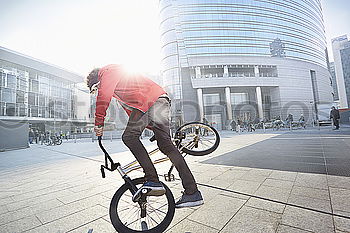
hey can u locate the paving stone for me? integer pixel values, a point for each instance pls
(245, 186)
(249, 220)
(342, 224)
(341, 213)
(283, 184)
(6, 200)
(220, 183)
(339, 182)
(283, 175)
(288, 229)
(21, 225)
(3, 209)
(37, 200)
(310, 192)
(28, 211)
(72, 221)
(217, 212)
(273, 193)
(312, 180)
(74, 207)
(313, 203)
(100, 225)
(208, 193)
(33, 193)
(266, 205)
(340, 199)
(187, 226)
(232, 174)
(87, 193)
(180, 214)
(307, 220)
(254, 177)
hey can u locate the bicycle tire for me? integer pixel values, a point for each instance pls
(47, 142)
(200, 152)
(59, 141)
(120, 226)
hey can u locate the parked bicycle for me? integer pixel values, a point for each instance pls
(149, 213)
(52, 140)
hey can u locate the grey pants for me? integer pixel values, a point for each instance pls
(156, 117)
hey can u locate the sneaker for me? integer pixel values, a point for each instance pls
(149, 189)
(192, 200)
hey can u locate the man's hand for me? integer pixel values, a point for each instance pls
(98, 130)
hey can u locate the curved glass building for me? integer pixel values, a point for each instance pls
(224, 49)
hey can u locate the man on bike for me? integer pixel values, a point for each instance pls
(147, 105)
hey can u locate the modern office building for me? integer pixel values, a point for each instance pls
(41, 94)
(249, 59)
(334, 81)
(341, 54)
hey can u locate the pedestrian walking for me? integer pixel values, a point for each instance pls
(233, 125)
(31, 136)
(335, 116)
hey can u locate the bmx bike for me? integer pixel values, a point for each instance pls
(153, 214)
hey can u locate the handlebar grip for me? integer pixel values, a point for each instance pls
(153, 138)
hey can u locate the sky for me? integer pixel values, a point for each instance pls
(80, 35)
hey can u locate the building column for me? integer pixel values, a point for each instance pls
(198, 72)
(228, 103)
(256, 71)
(225, 71)
(200, 103)
(259, 102)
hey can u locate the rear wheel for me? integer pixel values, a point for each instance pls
(126, 214)
(59, 141)
(196, 138)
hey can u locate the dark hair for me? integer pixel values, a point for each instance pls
(92, 78)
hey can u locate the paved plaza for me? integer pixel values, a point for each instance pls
(274, 181)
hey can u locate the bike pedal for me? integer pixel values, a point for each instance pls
(169, 178)
(141, 194)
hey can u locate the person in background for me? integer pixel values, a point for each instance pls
(31, 136)
(302, 121)
(233, 125)
(335, 116)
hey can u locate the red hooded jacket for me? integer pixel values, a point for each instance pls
(135, 91)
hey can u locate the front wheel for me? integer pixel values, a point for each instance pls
(47, 142)
(126, 215)
(197, 138)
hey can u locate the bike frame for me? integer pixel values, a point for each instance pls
(134, 165)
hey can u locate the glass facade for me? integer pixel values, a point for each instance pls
(208, 28)
(345, 60)
(26, 92)
(334, 81)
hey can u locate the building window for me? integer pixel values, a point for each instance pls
(8, 95)
(10, 109)
(211, 99)
(2, 79)
(239, 98)
(11, 81)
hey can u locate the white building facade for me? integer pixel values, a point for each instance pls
(340, 44)
(244, 59)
